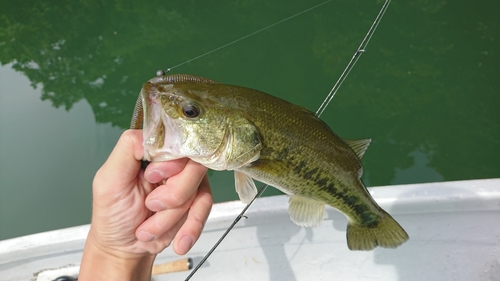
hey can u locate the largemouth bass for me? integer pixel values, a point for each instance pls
(262, 137)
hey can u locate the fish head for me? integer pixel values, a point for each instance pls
(189, 120)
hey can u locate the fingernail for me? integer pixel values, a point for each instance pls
(145, 236)
(156, 205)
(185, 244)
(155, 176)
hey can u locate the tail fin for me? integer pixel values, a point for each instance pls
(386, 233)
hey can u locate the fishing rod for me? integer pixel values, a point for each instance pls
(246, 36)
(361, 49)
(357, 54)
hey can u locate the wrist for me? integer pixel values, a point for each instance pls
(101, 264)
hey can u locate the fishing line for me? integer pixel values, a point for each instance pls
(246, 36)
(238, 218)
(361, 49)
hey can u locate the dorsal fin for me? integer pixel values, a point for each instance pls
(180, 78)
(358, 146)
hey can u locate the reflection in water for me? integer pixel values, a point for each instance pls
(46, 165)
(418, 171)
(428, 76)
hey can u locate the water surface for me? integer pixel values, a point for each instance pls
(426, 91)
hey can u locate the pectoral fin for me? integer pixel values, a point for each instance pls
(245, 186)
(306, 212)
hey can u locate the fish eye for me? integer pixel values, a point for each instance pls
(190, 110)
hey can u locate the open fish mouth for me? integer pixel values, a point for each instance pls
(161, 135)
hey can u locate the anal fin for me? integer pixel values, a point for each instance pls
(306, 212)
(245, 187)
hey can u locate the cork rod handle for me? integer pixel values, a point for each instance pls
(175, 266)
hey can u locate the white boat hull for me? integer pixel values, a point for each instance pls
(454, 230)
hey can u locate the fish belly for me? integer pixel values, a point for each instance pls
(311, 187)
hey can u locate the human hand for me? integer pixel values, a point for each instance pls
(136, 213)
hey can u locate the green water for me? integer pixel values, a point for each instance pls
(426, 91)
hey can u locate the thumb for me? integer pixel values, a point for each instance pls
(124, 162)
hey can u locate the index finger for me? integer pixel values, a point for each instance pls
(178, 188)
(158, 171)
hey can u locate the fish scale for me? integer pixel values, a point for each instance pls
(266, 138)
(315, 147)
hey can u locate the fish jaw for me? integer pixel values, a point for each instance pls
(168, 136)
(216, 138)
(162, 136)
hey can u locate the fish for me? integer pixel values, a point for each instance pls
(265, 138)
